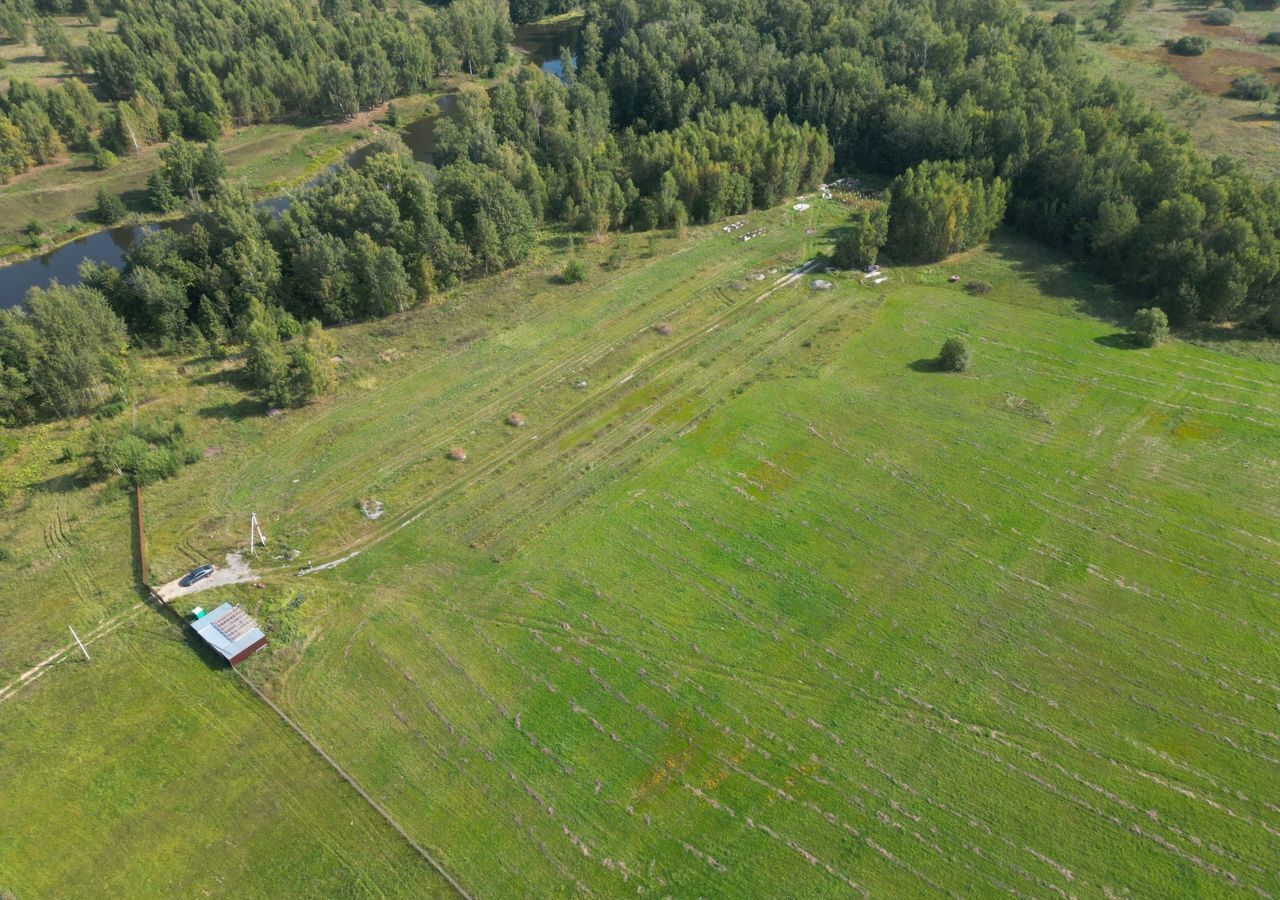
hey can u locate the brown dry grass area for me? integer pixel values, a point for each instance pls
(1197, 25)
(1213, 72)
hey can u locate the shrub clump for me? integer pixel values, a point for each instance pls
(978, 288)
(1219, 16)
(111, 208)
(145, 456)
(863, 236)
(1250, 87)
(1150, 326)
(1189, 45)
(575, 271)
(955, 355)
(1272, 39)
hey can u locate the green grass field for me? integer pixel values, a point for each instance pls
(767, 606)
(148, 772)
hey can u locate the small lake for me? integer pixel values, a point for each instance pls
(541, 42)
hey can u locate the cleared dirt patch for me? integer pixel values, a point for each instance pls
(235, 571)
(1197, 25)
(1213, 72)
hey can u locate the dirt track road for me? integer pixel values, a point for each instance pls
(235, 571)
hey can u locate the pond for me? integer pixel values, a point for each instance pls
(541, 42)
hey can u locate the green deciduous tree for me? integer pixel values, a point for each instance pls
(859, 242)
(266, 364)
(955, 355)
(67, 346)
(936, 210)
(110, 208)
(52, 39)
(1150, 326)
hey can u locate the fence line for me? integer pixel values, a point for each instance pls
(297, 729)
(143, 574)
(377, 807)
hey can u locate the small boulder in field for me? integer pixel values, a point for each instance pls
(515, 420)
(457, 454)
(662, 328)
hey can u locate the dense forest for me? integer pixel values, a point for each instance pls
(195, 68)
(673, 113)
(979, 83)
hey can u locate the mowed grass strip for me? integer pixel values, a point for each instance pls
(843, 623)
(768, 601)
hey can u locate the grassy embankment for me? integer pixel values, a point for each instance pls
(766, 601)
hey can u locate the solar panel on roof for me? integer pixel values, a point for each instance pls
(235, 624)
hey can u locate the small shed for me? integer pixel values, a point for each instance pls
(231, 632)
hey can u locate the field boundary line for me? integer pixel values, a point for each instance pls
(333, 764)
(164, 607)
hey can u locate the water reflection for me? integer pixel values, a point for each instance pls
(543, 43)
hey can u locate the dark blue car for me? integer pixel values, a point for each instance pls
(195, 575)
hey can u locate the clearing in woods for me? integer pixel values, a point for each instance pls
(1193, 92)
(766, 601)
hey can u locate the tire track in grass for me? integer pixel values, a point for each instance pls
(592, 355)
(639, 433)
(1233, 814)
(465, 479)
(37, 671)
(544, 376)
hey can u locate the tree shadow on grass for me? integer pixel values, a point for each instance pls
(244, 408)
(61, 484)
(927, 364)
(1118, 341)
(1054, 275)
(137, 200)
(219, 377)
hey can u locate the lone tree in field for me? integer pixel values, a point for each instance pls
(111, 208)
(955, 355)
(1150, 326)
(574, 272)
(863, 236)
